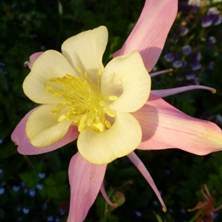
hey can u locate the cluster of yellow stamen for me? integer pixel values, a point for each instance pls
(80, 101)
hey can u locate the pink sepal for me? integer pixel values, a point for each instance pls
(173, 91)
(143, 170)
(164, 126)
(151, 30)
(85, 180)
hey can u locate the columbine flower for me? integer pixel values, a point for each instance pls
(109, 108)
(76, 90)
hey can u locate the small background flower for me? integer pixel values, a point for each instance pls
(36, 188)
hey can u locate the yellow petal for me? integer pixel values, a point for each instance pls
(128, 72)
(85, 50)
(43, 128)
(50, 64)
(121, 139)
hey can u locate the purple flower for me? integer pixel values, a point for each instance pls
(195, 66)
(169, 57)
(213, 17)
(190, 75)
(177, 64)
(184, 31)
(186, 49)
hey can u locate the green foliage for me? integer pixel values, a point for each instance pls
(30, 178)
(55, 187)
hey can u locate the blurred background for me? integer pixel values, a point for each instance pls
(36, 188)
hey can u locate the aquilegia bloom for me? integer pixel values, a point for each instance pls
(74, 89)
(110, 109)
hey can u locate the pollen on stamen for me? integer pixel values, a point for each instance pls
(107, 124)
(110, 113)
(62, 117)
(99, 126)
(80, 101)
(112, 98)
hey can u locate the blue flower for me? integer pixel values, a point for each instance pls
(2, 190)
(25, 210)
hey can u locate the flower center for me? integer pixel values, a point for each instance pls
(80, 101)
